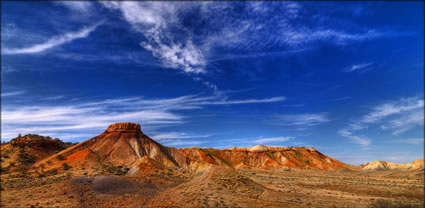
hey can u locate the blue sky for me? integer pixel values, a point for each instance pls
(344, 77)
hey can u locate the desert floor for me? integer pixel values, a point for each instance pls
(219, 188)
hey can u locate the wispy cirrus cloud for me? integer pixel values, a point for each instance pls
(177, 135)
(400, 115)
(185, 35)
(78, 6)
(271, 140)
(51, 119)
(180, 139)
(365, 142)
(303, 120)
(357, 67)
(155, 20)
(52, 42)
(7, 94)
(183, 143)
(396, 116)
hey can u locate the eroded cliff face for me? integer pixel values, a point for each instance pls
(122, 144)
(125, 145)
(265, 157)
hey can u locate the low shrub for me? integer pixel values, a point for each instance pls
(60, 157)
(52, 172)
(66, 166)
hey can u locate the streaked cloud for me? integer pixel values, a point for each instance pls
(357, 67)
(83, 7)
(303, 120)
(271, 140)
(392, 108)
(355, 139)
(72, 119)
(7, 94)
(52, 42)
(176, 135)
(396, 116)
(178, 46)
(400, 115)
(187, 143)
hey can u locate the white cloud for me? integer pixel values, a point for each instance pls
(93, 117)
(410, 141)
(270, 140)
(357, 67)
(299, 37)
(303, 120)
(397, 116)
(52, 42)
(189, 48)
(189, 143)
(178, 56)
(229, 102)
(392, 108)
(7, 94)
(176, 135)
(83, 7)
(355, 139)
(154, 20)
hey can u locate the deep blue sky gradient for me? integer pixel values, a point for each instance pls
(221, 74)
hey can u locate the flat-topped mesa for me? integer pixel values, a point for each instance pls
(124, 127)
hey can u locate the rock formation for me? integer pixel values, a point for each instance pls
(125, 145)
(26, 150)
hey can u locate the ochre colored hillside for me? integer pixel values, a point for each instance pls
(23, 151)
(383, 165)
(123, 147)
(265, 157)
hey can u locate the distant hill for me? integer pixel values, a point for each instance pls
(24, 151)
(383, 165)
(124, 149)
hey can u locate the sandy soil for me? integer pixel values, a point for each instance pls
(218, 188)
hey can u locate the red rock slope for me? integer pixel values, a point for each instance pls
(26, 150)
(124, 144)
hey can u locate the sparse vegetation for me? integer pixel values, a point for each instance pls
(25, 158)
(60, 157)
(23, 169)
(66, 166)
(52, 172)
(393, 204)
(116, 170)
(213, 155)
(297, 153)
(270, 155)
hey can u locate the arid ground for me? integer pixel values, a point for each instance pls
(219, 187)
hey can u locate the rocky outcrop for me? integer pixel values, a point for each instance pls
(125, 145)
(124, 127)
(28, 149)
